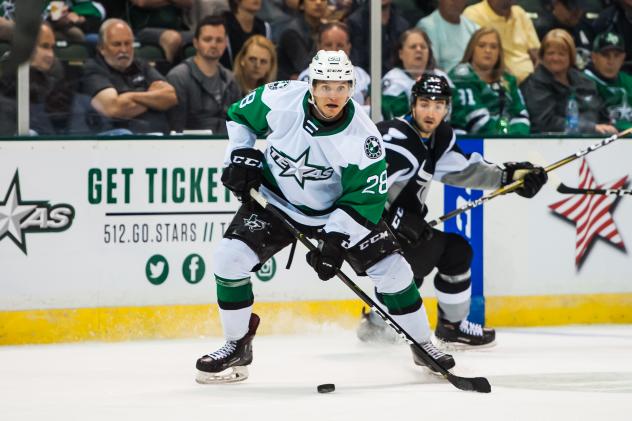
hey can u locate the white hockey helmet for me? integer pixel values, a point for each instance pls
(331, 65)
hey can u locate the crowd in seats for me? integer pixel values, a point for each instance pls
(242, 23)
(557, 78)
(334, 36)
(255, 64)
(204, 88)
(151, 66)
(486, 97)
(414, 57)
(297, 42)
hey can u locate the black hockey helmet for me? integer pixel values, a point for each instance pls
(431, 86)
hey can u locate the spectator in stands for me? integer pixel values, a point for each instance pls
(414, 57)
(519, 39)
(393, 25)
(55, 107)
(76, 19)
(298, 41)
(449, 31)
(334, 36)
(614, 86)
(7, 16)
(204, 87)
(486, 99)
(255, 64)
(414, 10)
(129, 92)
(241, 24)
(202, 8)
(279, 15)
(160, 22)
(618, 18)
(556, 80)
(569, 15)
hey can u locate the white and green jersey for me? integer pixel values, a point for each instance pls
(332, 176)
(396, 89)
(617, 97)
(485, 108)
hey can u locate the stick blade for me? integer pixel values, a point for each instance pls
(563, 188)
(470, 384)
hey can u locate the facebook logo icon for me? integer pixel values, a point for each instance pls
(193, 268)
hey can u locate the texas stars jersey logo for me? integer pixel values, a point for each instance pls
(254, 223)
(372, 147)
(299, 168)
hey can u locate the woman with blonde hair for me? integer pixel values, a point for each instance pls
(486, 98)
(255, 64)
(556, 83)
(414, 57)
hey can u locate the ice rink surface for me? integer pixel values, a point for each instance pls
(561, 373)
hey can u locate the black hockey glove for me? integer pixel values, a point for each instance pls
(534, 177)
(329, 256)
(245, 172)
(409, 228)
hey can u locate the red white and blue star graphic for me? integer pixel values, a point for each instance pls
(591, 214)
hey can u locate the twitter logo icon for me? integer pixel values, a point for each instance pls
(157, 269)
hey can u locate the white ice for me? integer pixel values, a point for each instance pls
(561, 373)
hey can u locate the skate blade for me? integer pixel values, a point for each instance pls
(230, 375)
(448, 347)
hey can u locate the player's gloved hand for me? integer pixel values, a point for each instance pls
(534, 177)
(245, 172)
(409, 228)
(329, 256)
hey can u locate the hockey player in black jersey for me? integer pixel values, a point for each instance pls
(420, 147)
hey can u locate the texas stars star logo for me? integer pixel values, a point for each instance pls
(299, 168)
(18, 217)
(254, 223)
(591, 214)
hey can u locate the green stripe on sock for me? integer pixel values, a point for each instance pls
(233, 290)
(401, 300)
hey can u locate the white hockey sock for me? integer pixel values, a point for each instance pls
(235, 322)
(415, 323)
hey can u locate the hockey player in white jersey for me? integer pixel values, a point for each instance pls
(420, 147)
(324, 168)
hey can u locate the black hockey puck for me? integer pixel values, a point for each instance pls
(326, 388)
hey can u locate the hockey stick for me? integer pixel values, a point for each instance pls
(477, 384)
(563, 188)
(518, 183)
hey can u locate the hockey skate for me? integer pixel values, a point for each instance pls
(442, 358)
(373, 329)
(463, 335)
(229, 363)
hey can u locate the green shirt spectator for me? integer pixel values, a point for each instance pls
(613, 85)
(487, 108)
(486, 98)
